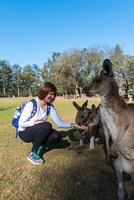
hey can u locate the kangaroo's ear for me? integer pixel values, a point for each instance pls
(85, 104)
(93, 107)
(107, 68)
(76, 105)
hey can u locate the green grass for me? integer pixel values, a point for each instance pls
(67, 174)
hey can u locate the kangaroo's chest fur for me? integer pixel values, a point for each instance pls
(109, 117)
(117, 132)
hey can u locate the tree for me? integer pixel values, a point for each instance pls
(37, 80)
(45, 72)
(92, 62)
(29, 78)
(119, 63)
(70, 70)
(6, 78)
(130, 72)
(17, 79)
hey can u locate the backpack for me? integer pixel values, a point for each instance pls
(18, 112)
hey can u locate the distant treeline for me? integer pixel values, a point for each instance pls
(69, 71)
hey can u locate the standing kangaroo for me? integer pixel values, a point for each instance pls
(88, 117)
(118, 123)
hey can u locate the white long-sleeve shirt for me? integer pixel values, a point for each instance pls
(41, 114)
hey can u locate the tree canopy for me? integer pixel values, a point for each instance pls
(69, 71)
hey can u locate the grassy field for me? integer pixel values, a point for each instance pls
(68, 174)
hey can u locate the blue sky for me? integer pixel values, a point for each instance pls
(30, 30)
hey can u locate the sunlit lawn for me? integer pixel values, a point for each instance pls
(67, 174)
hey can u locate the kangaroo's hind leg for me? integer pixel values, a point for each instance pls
(132, 176)
(91, 144)
(119, 172)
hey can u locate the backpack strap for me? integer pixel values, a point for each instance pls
(17, 133)
(34, 107)
(48, 108)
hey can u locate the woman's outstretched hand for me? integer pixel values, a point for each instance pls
(83, 127)
(39, 121)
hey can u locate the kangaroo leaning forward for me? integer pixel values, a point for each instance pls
(118, 122)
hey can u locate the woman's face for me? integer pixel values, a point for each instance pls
(50, 97)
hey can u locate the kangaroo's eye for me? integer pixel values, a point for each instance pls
(98, 80)
(82, 116)
(91, 118)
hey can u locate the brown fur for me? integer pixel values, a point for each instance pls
(118, 122)
(88, 117)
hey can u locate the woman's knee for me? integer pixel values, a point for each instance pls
(53, 138)
(46, 126)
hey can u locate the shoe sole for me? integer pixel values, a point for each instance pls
(34, 162)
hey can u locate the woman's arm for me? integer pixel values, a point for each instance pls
(57, 120)
(60, 123)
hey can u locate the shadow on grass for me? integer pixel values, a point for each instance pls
(73, 176)
(71, 139)
(79, 181)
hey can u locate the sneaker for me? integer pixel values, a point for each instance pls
(35, 159)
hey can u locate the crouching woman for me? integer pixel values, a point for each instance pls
(36, 129)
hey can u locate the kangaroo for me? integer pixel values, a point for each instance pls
(88, 117)
(118, 122)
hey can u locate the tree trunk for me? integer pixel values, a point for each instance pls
(18, 91)
(4, 91)
(127, 87)
(29, 92)
(65, 94)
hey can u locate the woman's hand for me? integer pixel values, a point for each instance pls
(83, 127)
(39, 121)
